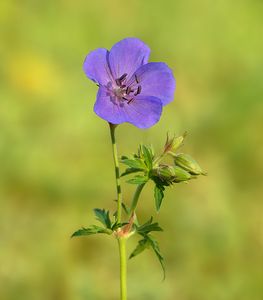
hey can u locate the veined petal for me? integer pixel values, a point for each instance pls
(156, 79)
(143, 111)
(127, 56)
(96, 66)
(108, 108)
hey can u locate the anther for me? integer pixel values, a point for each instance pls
(129, 90)
(123, 77)
(136, 78)
(139, 89)
(124, 98)
(123, 86)
(118, 82)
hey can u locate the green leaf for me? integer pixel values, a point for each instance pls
(148, 227)
(138, 179)
(103, 217)
(155, 246)
(142, 245)
(125, 208)
(148, 156)
(130, 171)
(158, 196)
(146, 242)
(93, 229)
(124, 157)
(135, 163)
(117, 225)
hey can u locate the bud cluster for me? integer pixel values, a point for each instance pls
(184, 167)
(145, 166)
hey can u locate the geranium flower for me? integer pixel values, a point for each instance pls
(130, 89)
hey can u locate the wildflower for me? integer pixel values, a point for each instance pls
(130, 89)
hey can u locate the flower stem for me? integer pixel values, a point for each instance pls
(117, 171)
(123, 268)
(136, 197)
(121, 240)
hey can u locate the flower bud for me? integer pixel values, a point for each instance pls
(172, 144)
(165, 171)
(186, 162)
(171, 174)
(181, 174)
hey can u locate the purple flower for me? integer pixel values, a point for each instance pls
(130, 89)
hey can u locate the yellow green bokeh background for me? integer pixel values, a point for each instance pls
(56, 161)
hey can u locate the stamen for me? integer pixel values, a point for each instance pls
(139, 89)
(124, 98)
(123, 77)
(130, 100)
(129, 90)
(136, 78)
(123, 86)
(118, 82)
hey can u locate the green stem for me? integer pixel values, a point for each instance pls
(117, 171)
(121, 240)
(136, 197)
(123, 268)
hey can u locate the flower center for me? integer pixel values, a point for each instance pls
(126, 90)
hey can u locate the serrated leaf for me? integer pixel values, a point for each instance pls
(93, 229)
(158, 196)
(155, 246)
(146, 242)
(130, 171)
(138, 180)
(148, 227)
(142, 245)
(148, 156)
(103, 217)
(135, 163)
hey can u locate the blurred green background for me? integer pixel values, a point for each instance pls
(56, 161)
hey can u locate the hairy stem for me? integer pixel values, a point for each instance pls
(121, 240)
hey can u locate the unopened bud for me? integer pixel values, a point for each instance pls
(165, 171)
(186, 162)
(171, 174)
(172, 144)
(181, 174)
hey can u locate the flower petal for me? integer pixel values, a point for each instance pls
(156, 79)
(143, 112)
(127, 56)
(108, 108)
(96, 66)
